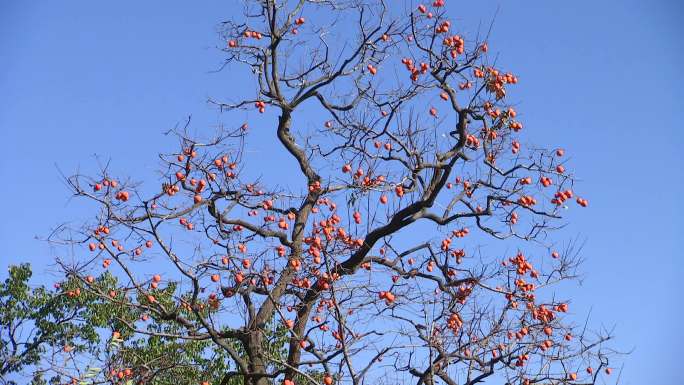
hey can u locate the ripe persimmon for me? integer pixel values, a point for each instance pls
(399, 190)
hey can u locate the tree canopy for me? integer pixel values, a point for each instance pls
(368, 265)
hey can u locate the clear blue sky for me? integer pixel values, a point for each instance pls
(601, 78)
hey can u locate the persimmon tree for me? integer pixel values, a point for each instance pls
(405, 147)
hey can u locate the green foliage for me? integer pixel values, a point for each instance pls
(34, 319)
(80, 317)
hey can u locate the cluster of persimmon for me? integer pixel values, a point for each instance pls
(260, 105)
(465, 85)
(461, 233)
(302, 283)
(413, 70)
(120, 374)
(456, 44)
(526, 180)
(223, 163)
(73, 293)
(423, 9)
(253, 34)
(545, 315)
(516, 126)
(232, 43)
(106, 183)
(122, 196)
(464, 290)
(513, 218)
(171, 189)
(503, 118)
(388, 296)
(367, 181)
(101, 229)
(472, 141)
(186, 223)
(458, 254)
(496, 82)
(443, 27)
(561, 196)
(526, 287)
(282, 222)
(466, 186)
(489, 134)
(327, 227)
(522, 265)
(446, 242)
(455, 322)
(520, 334)
(315, 186)
(582, 202)
(527, 201)
(298, 22)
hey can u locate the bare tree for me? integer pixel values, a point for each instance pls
(362, 258)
